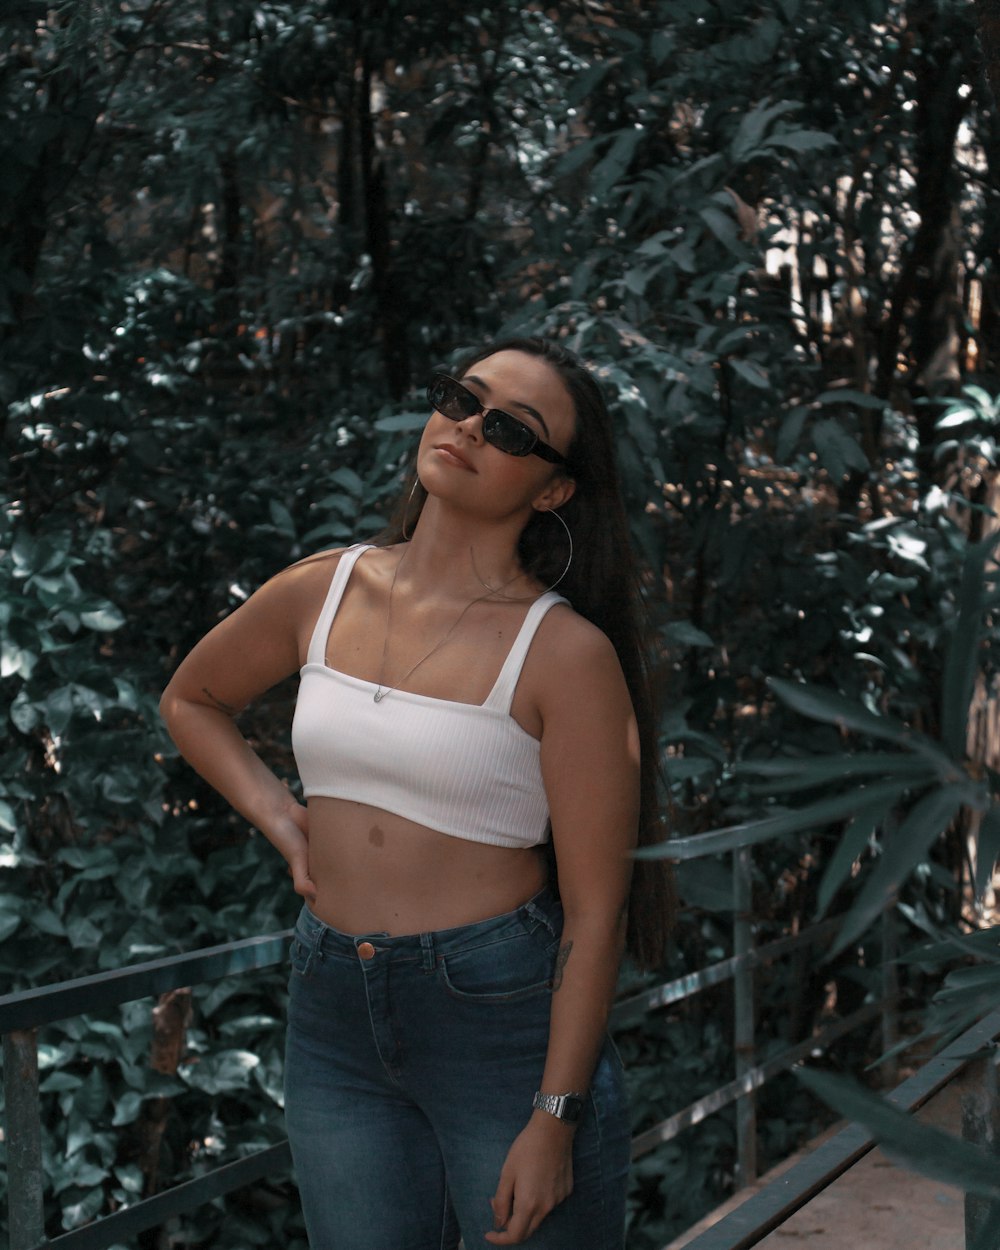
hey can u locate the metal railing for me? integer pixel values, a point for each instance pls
(21, 1014)
(971, 1057)
(740, 969)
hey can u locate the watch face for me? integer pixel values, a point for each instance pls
(571, 1110)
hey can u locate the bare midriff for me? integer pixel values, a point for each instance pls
(376, 872)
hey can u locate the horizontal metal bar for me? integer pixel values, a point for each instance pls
(765, 1210)
(27, 1009)
(631, 1010)
(752, 1079)
(126, 1224)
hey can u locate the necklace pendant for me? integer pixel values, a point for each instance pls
(379, 695)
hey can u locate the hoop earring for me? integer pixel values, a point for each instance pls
(569, 537)
(524, 599)
(406, 510)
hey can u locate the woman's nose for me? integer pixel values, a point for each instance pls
(472, 425)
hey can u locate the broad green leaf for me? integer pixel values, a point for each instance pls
(978, 977)
(984, 944)
(90, 1099)
(588, 81)
(957, 416)
(751, 372)
(987, 848)
(16, 659)
(902, 851)
(83, 1211)
(790, 432)
(797, 820)
(281, 518)
(754, 125)
(222, 1072)
(852, 843)
(104, 619)
(130, 1177)
(789, 775)
(401, 421)
(684, 634)
(835, 709)
(612, 166)
(723, 226)
(845, 395)
(922, 1147)
(838, 451)
(127, 1108)
(801, 140)
(705, 883)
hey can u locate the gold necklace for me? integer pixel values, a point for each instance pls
(381, 692)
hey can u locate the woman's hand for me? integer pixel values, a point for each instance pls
(536, 1176)
(290, 836)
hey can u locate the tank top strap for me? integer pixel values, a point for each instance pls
(502, 694)
(317, 643)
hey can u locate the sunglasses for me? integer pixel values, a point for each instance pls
(456, 402)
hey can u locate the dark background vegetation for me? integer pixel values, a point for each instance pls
(236, 236)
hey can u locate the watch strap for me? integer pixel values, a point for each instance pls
(566, 1107)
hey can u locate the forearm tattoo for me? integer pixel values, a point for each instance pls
(561, 959)
(223, 707)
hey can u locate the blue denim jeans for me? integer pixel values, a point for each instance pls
(410, 1068)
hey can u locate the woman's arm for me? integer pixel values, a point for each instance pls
(590, 764)
(257, 646)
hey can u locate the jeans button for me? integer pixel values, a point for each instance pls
(366, 950)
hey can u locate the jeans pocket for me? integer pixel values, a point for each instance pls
(502, 972)
(300, 956)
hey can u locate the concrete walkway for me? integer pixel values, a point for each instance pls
(873, 1206)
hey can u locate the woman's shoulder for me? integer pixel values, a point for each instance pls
(568, 640)
(298, 590)
(313, 573)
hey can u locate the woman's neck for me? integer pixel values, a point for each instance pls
(451, 556)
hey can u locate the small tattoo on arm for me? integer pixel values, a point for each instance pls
(561, 959)
(223, 707)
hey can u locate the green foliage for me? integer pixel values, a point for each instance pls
(920, 1147)
(235, 237)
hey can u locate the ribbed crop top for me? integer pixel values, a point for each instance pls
(468, 770)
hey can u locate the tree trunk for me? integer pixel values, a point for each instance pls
(988, 20)
(388, 296)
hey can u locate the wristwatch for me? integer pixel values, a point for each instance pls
(566, 1107)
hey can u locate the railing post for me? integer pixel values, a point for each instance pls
(743, 1014)
(24, 1139)
(981, 1125)
(890, 994)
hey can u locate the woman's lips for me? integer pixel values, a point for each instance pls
(455, 457)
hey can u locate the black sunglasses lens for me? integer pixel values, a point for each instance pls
(452, 400)
(507, 433)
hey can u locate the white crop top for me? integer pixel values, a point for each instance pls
(465, 769)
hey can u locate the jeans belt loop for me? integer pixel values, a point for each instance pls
(317, 943)
(537, 914)
(427, 950)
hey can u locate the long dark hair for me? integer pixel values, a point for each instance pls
(602, 584)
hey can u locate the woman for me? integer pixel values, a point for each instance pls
(448, 1069)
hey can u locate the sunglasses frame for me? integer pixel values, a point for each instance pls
(491, 417)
